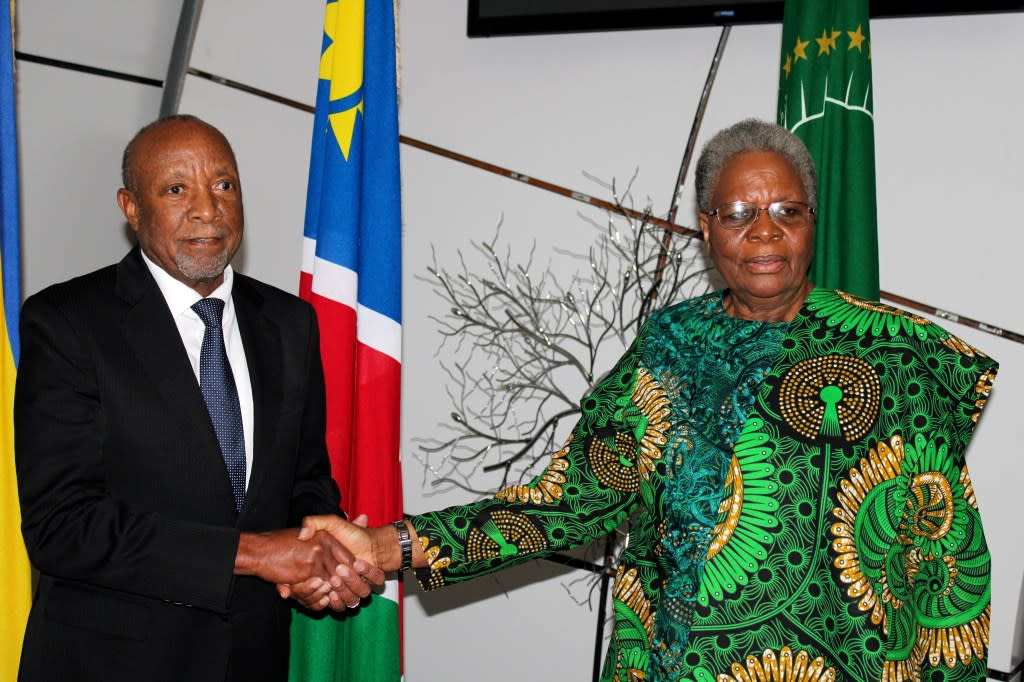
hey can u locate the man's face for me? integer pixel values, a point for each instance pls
(186, 206)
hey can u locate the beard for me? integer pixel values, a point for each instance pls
(200, 269)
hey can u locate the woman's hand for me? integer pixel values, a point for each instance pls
(356, 575)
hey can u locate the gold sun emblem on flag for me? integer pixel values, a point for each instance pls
(341, 63)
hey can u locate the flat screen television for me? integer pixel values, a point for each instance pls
(519, 17)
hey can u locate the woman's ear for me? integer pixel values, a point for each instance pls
(705, 225)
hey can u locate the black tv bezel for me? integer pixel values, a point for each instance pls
(715, 14)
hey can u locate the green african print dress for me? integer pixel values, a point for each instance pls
(799, 504)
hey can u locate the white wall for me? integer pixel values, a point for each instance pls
(948, 150)
(73, 126)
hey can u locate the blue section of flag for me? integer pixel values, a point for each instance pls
(345, 103)
(10, 258)
(352, 206)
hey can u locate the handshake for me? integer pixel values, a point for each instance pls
(328, 563)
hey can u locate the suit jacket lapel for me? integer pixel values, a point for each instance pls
(261, 339)
(152, 333)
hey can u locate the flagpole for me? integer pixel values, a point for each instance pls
(652, 294)
(177, 67)
(684, 167)
(698, 120)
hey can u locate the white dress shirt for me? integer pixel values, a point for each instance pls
(180, 297)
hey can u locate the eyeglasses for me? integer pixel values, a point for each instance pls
(737, 215)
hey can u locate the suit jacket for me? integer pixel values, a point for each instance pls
(127, 509)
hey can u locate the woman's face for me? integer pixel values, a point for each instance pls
(764, 265)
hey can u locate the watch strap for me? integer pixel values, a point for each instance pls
(404, 544)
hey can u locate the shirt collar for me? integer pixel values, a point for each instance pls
(180, 296)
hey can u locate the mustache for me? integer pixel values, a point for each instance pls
(207, 232)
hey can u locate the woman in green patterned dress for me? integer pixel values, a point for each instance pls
(791, 459)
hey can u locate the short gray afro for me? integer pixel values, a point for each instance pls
(748, 136)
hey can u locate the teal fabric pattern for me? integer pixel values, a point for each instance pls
(711, 367)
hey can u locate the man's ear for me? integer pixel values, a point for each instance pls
(130, 208)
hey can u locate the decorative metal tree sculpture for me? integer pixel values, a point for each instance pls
(529, 342)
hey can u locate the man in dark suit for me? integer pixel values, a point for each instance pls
(158, 538)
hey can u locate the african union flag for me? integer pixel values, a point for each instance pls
(15, 575)
(351, 271)
(826, 99)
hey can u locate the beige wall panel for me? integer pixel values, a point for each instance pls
(948, 147)
(72, 130)
(130, 36)
(266, 44)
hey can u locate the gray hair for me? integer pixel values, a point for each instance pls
(748, 136)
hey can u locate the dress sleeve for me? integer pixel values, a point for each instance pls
(938, 567)
(591, 485)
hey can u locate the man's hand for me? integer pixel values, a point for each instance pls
(279, 556)
(357, 574)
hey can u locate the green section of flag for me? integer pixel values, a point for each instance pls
(330, 653)
(826, 98)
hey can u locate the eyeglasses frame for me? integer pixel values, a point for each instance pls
(811, 213)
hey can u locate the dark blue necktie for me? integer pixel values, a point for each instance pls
(221, 395)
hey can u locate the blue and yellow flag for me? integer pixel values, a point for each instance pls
(352, 273)
(15, 574)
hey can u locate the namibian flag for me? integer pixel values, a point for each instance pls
(15, 575)
(351, 271)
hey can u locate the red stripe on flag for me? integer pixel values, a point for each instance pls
(305, 285)
(337, 349)
(363, 393)
(365, 454)
(376, 481)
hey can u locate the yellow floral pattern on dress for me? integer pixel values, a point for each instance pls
(614, 461)
(882, 464)
(882, 308)
(632, 606)
(627, 590)
(950, 646)
(965, 480)
(746, 517)
(546, 488)
(435, 561)
(729, 510)
(652, 402)
(783, 666)
(983, 388)
(957, 344)
(622, 460)
(905, 670)
(928, 499)
(848, 313)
